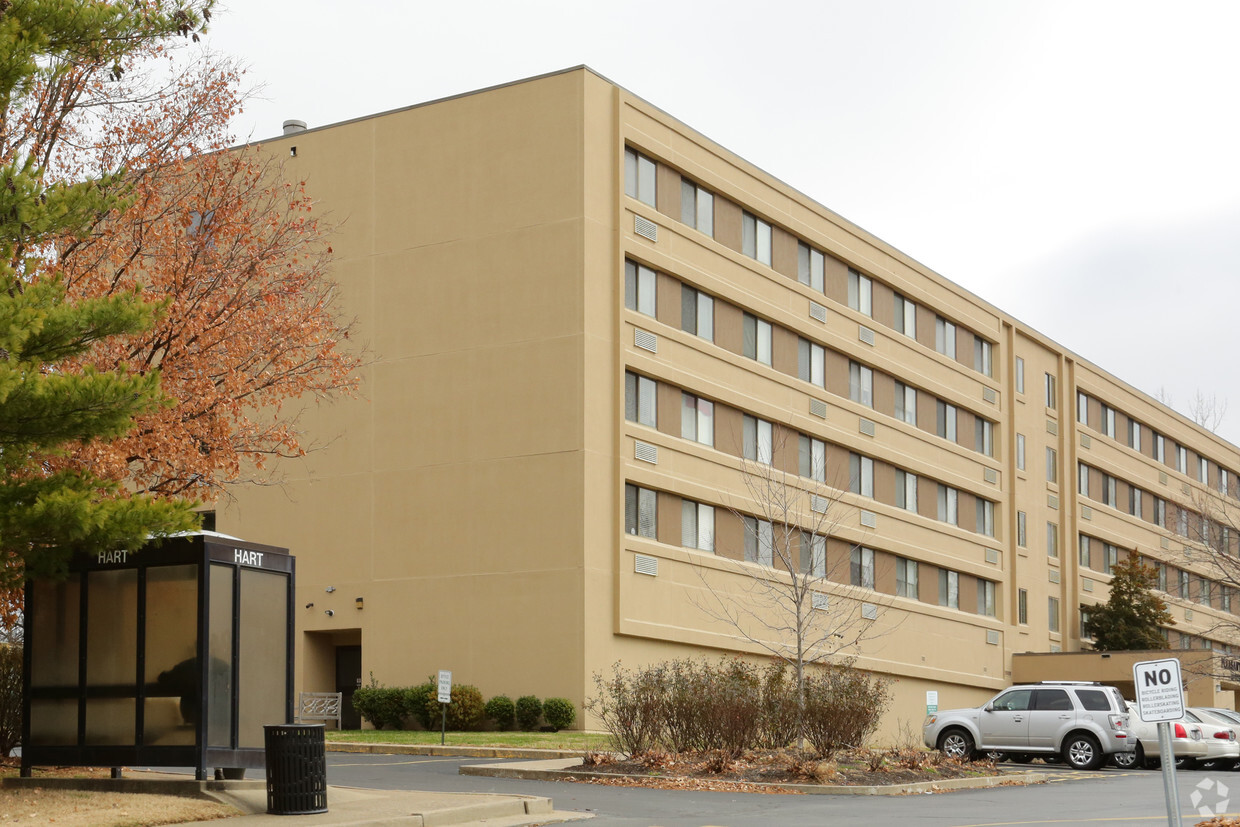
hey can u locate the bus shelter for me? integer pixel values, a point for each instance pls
(173, 656)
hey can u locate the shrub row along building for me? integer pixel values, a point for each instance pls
(593, 329)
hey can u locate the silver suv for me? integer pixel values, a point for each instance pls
(1081, 722)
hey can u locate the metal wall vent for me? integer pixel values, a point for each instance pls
(1188, 615)
(646, 228)
(867, 427)
(1087, 585)
(1087, 513)
(992, 637)
(865, 334)
(820, 601)
(646, 452)
(645, 564)
(991, 476)
(818, 408)
(1052, 427)
(1054, 575)
(992, 556)
(1056, 648)
(869, 519)
(1052, 501)
(1163, 542)
(989, 395)
(869, 611)
(818, 504)
(645, 340)
(1086, 442)
(1185, 488)
(817, 311)
(1162, 477)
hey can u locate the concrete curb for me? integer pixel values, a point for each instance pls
(136, 784)
(555, 771)
(461, 751)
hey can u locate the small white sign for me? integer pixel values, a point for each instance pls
(445, 686)
(1160, 691)
(932, 701)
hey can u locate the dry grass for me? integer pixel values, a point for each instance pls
(87, 809)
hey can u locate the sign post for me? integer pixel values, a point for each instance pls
(1160, 698)
(445, 698)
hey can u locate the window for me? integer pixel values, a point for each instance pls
(1051, 396)
(697, 207)
(1052, 613)
(906, 403)
(1052, 540)
(640, 399)
(697, 419)
(1085, 615)
(1224, 485)
(1110, 557)
(985, 517)
(1052, 465)
(1203, 469)
(639, 177)
(1185, 579)
(697, 525)
(757, 344)
(947, 504)
(1108, 421)
(813, 458)
(697, 313)
(1181, 524)
(945, 421)
(1134, 501)
(906, 578)
(986, 598)
(641, 506)
(860, 293)
(757, 439)
(1181, 459)
(1224, 597)
(861, 568)
(905, 317)
(1022, 606)
(949, 589)
(639, 288)
(1134, 435)
(861, 384)
(1020, 375)
(983, 436)
(1160, 448)
(1109, 491)
(756, 238)
(813, 554)
(1020, 452)
(981, 356)
(811, 265)
(1161, 568)
(906, 490)
(1083, 551)
(1160, 512)
(1022, 537)
(811, 362)
(945, 337)
(759, 541)
(1082, 408)
(1082, 471)
(861, 471)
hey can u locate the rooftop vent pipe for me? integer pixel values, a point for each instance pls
(293, 127)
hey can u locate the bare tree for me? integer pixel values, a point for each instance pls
(1207, 411)
(794, 589)
(1208, 523)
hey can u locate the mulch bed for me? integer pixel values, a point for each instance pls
(756, 770)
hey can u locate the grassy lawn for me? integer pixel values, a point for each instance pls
(571, 740)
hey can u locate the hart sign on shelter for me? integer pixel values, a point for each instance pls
(1160, 692)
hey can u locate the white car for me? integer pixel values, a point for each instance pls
(1188, 744)
(1220, 735)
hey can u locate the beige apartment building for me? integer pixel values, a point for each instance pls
(592, 327)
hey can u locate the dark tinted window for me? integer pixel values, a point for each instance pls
(1094, 699)
(1015, 700)
(1053, 699)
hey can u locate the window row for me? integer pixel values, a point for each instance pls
(675, 520)
(1186, 585)
(749, 234)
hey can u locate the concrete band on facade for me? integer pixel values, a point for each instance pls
(472, 509)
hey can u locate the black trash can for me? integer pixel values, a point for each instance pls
(296, 769)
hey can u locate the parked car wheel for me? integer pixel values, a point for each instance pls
(1126, 760)
(1081, 752)
(956, 743)
(1185, 763)
(996, 756)
(1020, 758)
(1052, 759)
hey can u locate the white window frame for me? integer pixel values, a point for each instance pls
(906, 403)
(860, 293)
(758, 437)
(641, 396)
(1082, 408)
(945, 420)
(697, 419)
(907, 580)
(1052, 539)
(761, 338)
(813, 564)
(697, 525)
(641, 180)
(861, 384)
(945, 337)
(861, 471)
(697, 207)
(641, 511)
(1020, 452)
(949, 588)
(905, 316)
(812, 457)
(811, 362)
(756, 238)
(697, 313)
(1020, 375)
(759, 542)
(985, 517)
(982, 356)
(1022, 529)
(640, 288)
(861, 567)
(906, 490)
(948, 501)
(1134, 435)
(811, 266)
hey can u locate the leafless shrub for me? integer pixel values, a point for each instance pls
(843, 706)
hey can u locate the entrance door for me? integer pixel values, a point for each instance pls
(348, 678)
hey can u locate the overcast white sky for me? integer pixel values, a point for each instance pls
(1020, 149)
